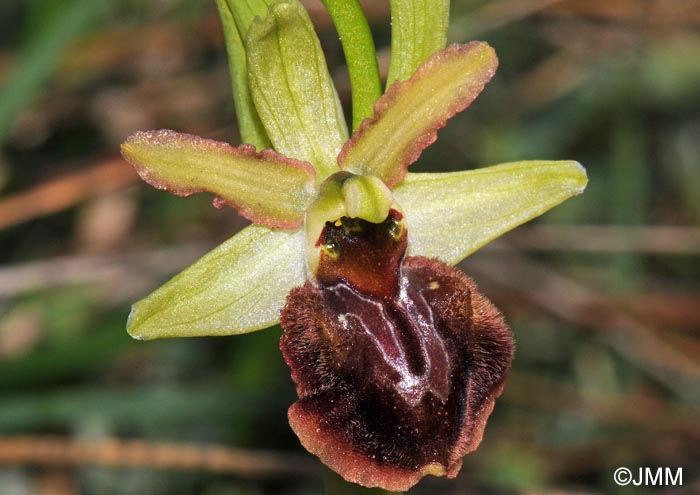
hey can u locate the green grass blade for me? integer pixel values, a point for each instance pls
(39, 57)
(360, 55)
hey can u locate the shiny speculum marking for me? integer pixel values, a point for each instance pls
(360, 269)
(402, 331)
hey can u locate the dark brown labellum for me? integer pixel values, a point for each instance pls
(397, 361)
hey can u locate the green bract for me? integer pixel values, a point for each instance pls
(286, 98)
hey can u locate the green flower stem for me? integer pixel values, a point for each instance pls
(335, 485)
(360, 55)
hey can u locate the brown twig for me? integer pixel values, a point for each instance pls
(118, 453)
(647, 239)
(129, 271)
(643, 410)
(65, 191)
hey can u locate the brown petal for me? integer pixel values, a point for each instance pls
(393, 389)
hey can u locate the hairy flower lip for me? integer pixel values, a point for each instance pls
(353, 416)
(353, 466)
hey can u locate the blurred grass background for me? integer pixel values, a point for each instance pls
(603, 292)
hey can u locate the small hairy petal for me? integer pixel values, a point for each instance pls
(408, 116)
(266, 187)
(451, 215)
(391, 390)
(238, 287)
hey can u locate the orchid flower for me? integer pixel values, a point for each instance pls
(396, 356)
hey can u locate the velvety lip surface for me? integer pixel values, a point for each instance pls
(393, 389)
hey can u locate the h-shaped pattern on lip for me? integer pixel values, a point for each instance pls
(402, 331)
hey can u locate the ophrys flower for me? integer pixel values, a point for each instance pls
(396, 356)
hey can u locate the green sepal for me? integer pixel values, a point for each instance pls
(238, 287)
(265, 187)
(236, 18)
(451, 215)
(418, 29)
(292, 90)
